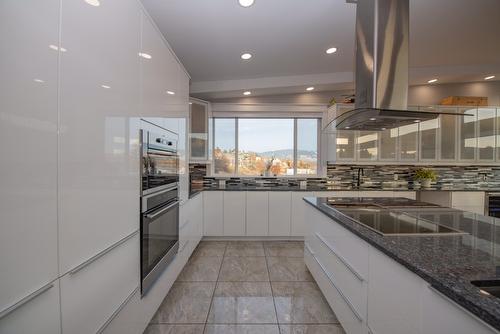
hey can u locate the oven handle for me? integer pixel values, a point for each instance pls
(156, 214)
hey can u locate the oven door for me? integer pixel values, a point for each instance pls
(159, 241)
(160, 171)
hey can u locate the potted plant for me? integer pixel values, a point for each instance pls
(425, 176)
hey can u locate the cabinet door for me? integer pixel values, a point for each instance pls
(99, 144)
(213, 223)
(367, 145)
(388, 144)
(486, 134)
(299, 217)
(448, 135)
(198, 132)
(90, 296)
(234, 213)
(28, 142)
(280, 206)
(467, 131)
(40, 315)
(428, 139)
(257, 212)
(344, 145)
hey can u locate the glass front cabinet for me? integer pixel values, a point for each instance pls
(199, 114)
(472, 138)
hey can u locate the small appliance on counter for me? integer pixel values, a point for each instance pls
(159, 204)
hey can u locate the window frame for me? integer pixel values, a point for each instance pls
(295, 148)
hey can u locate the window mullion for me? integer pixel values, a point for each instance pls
(295, 146)
(236, 145)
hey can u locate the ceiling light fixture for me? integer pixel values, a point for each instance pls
(55, 47)
(489, 78)
(331, 50)
(373, 119)
(246, 3)
(38, 80)
(94, 3)
(145, 55)
(432, 80)
(169, 92)
(310, 88)
(246, 56)
(105, 86)
(247, 93)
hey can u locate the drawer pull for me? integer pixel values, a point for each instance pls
(344, 297)
(115, 313)
(340, 257)
(101, 253)
(25, 300)
(309, 248)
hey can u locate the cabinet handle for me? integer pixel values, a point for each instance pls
(101, 253)
(115, 313)
(309, 248)
(183, 246)
(340, 257)
(25, 300)
(344, 297)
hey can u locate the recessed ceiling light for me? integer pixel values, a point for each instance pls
(432, 80)
(94, 3)
(190, 102)
(246, 56)
(145, 55)
(373, 119)
(347, 127)
(310, 88)
(246, 3)
(417, 121)
(105, 86)
(169, 92)
(384, 129)
(55, 47)
(489, 78)
(247, 93)
(331, 50)
(38, 80)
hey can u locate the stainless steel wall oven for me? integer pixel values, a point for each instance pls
(159, 205)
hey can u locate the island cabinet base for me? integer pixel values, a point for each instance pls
(371, 293)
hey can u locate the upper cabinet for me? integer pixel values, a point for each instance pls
(199, 114)
(474, 138)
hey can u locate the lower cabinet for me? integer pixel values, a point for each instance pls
(472, 201)
(257, 213)
(40, 315)
(190, 225)
(299, 218)
(213, 204)
(234, 213)
(280, 215)
(91, 295)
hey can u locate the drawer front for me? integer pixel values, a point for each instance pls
(90, 296)
(352, 322)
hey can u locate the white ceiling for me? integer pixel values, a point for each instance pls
(454, 40)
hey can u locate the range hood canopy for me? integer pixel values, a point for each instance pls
(382, 36)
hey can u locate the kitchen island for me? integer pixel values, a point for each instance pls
(389, 266)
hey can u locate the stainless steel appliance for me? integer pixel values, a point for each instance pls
(493, 204)
(159, 205)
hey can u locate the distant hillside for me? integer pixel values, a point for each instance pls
(280, 154)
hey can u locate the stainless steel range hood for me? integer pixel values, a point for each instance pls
(382, 36)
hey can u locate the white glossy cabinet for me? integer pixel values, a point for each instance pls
(280, 206)
(28, 142)
(472, 201)
(299, 217)
(190, 224)
(234, 213)
(213, 218)
(90, 296)
(99, 157)
(257, 213)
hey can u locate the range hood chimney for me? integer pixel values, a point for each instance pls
(382, 36)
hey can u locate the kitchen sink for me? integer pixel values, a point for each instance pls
(488, 287)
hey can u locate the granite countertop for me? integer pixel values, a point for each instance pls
(448, 263)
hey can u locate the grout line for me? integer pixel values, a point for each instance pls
(272, 296)
(215, 288)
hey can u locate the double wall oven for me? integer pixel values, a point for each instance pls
(159, 204)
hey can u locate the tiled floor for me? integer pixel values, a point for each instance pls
(245, 287)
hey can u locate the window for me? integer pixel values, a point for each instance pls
(266, 146)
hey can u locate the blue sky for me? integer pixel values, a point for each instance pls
(262, 135)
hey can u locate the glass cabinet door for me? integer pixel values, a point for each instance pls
(344, 145)
(448, 134)
(367, 145)
(486, 134)
(408, 142)
(428, 139)
(467, 130)
(198, 130)
(497, 144)
(388, 141)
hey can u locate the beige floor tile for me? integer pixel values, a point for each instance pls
(284, 248)
(311, 329)
(242, 302)
(186, 303)
(242, 329)
(301, 303)
(210, 248)
(244, 269)
(201, 268)
(245, 248)
(288, 269)
(174, 329)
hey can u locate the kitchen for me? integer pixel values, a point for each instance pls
(218, 167)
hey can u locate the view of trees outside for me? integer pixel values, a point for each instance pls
(265, 146)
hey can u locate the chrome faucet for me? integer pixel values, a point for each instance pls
(361, 172)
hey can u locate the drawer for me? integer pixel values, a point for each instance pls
(353, 250)
(351, 320)
(348, 280)
(91, 295)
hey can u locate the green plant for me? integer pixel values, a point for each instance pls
(424, 173)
